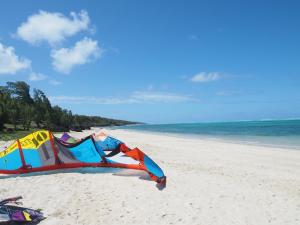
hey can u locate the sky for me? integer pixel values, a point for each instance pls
(157, 61)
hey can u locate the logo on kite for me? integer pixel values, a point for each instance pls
(39, 139)
(34, 140)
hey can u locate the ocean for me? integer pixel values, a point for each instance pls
(275, 133)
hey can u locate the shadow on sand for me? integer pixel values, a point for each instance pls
(90, 170)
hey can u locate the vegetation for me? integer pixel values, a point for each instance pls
(19, 111)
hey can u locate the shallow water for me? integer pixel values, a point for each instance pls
(275, 133)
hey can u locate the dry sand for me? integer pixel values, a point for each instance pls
(209, 183)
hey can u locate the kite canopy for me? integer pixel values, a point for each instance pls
(42, 151)
(12, 213)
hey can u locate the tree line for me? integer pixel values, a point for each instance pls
(23, 111)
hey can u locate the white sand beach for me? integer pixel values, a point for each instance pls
(208, 183)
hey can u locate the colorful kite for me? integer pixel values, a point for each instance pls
(42, 151)
(11, 214)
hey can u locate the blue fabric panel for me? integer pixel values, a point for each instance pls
(108, 144)
(32, 157)
(86, 152)
(99, 148)
(153, 167)
(109, 160)
(12, 161)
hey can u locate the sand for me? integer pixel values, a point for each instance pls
(210, 182)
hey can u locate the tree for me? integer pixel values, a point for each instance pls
(4, 100)
(14, 112)
(41, 107)
(66, 119)
(1, 117)
(21, 91)
(48, 120)
(18, 107)
(2, 108)
(26, 114)
(21, 103)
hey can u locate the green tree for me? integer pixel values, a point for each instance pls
(26, 115)
(66, 119)
(14, 112)
(21, 103)
(4, 100)
(21, 91)
(18, 107)
(1, 117)
(41, 107)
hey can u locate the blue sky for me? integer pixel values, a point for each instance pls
(157, 61)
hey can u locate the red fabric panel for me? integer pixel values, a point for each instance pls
(21, 154)
(54, 148)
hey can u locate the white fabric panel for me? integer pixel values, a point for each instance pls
(122, 158)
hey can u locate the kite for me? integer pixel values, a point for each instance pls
(42, 151)
(10, 213)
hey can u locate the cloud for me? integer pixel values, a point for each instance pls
(10, 63)
(37, 76)
(228, 93)
(52, 27)
(206, 77)
(136, 97)
(84, 51)
(159, 97)
(86, 100)
(55, 82)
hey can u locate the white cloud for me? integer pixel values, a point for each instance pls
(37, 76)
(85, 100)
(55, 82)
(52, 27)
(228, 93)
(135, 97)
(10, 63)
(84, 51)
(206, 77)
(159, 97)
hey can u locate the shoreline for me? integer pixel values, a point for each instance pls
(219, 139)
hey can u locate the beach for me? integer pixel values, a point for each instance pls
(209, 182)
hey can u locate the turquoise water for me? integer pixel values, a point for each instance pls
(276, 133)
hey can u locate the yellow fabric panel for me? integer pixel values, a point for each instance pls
(31, 141)
(27, 216)
(10, 149)
(34, 140)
